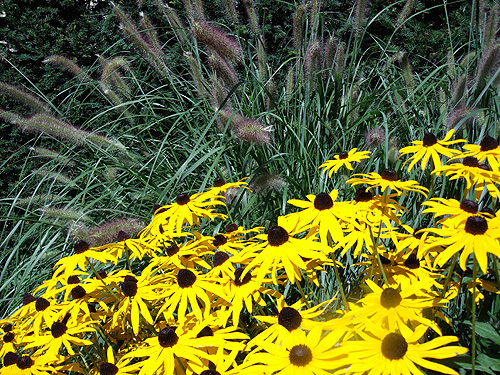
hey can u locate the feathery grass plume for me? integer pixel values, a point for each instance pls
(339, 65)
(252, 16)
(298, 27)
(118, 103)
(65, 214)
(110, 174)
(375, 137)
(54, 177)
(224, 70)
(227, 118)
(353, 103)
(450, 64)
(52, 155)
(151, 35)
(200, 12)
(230, 7)
(443, 105)
(108, 232)
(53, 126)
(488, 64)
(217, 40)
(312, 60)
(69, 65)
(393, 151)
(468, 59)
(461, 117)
(405, 12)
(11, 117)
(266, 181)
(39, 199)
(491, 27)
(314, 20)
(188, 7)
(195, 69)
(218, 95)
(290, 82)
(25, 97)
(174, 21)
(111, 74)
(262, 59)
(153, 57)
(360, 10)
(404, 63)
(252, 131)
(270, 87)
(459, 96)
(330, 51)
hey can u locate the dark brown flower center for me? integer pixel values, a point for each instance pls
(289, 318)
(24, 362)
(73, 279)
(470, 161)
(28, 298)
(167, 337)
(41, 304)
(10, 358)
(343, 155)
(7, 327)
(231, 227)
(219, 239)
(417, 233)
(300, 355)
(58, 329)
(362, 195)
(185, 278)
(469, 206)
(182, 199)
(237, 277)
(390, 297)
(323, 201)
(412, 262)
(218, 182)
(80, 246)
(206, 331)
(8, 337)
(129, 288)
(389, 175)
(277, 236)
(385, 260)
(394, 346)
(102, 274)
(78, 292)
(488, 143)
(172, 249)
(122, 236)
(429, 140)
(476, 225)
(219, 258)
(107, 368)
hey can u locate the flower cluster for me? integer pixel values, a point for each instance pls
(179, 301)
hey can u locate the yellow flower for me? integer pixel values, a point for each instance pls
(385, 352)
(344, 158)
(430, 147)
(487, 150)
(388, 179)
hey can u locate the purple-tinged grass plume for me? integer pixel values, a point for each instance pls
(23, 96)
(217, 40)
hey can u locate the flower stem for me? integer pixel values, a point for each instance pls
(474, 292)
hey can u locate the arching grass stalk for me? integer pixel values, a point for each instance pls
(474, 293)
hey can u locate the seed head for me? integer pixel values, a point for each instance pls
(390, 297)
(300, 355)
(394, 346)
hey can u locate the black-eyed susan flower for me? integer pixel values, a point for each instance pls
(488, 150)
(394, 309)
(478, 236)
(163, 350)
(280, 250)
(111, 367)
(26, 364)
(309, 354)
(430, 148)
(388, 179)
(381, 351)
(455, 212)
(324, 214)
(190, 288)
(344, 158)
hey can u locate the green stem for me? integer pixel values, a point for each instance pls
(474, 292)
(304, 297)
(337, 275)
(103, 282)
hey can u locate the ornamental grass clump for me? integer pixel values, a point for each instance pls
(179, 300)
